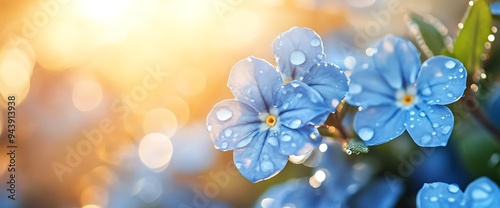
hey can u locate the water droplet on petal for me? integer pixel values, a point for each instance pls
(295, 124)
(453, 188)
(450, 64)
(315, 42)
(422, 114)
(244, 142)
(355, 89)
(286, 138)
(209, 127)
(266, 166)
(434, 199)
(285, 106)
(248, 90)
(426, 91)
(249, 59)
(224, 145)
(297, 57)
(228, 132)
(312, 136)
(294, 84)
(426, 139)
(273, 141)
(446, 129)
(224, 114)
(299, 95)
(238, 165)
(451, 199)
(435, 125)
(479, 194)
(461, 70)
(412, 113)
(366, 133)
(335, 103)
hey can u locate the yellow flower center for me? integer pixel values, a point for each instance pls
(407, 99)
(271, 120)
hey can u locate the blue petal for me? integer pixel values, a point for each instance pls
(254, 82)
(430, 125)
(369, 88)
(441, 80)
(495, 8)
(299, 104)
(329, 81)
(307, 196)
(379, 124)
(296, 50)
(439, 195)
(274, 196)
(259, 160)
(298, 141)
(232, 124)
(397, 60)
(482, 193)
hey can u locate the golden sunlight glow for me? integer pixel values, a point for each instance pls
(87, 95)
(179, 107)
(103, 10)
(190, 81)
(242, 27)
(94, 195)
(160, 120)
(188, 12)
(155, 150)
(91, 206)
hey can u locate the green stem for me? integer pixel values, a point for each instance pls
(472, 104)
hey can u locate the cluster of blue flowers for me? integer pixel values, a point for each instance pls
(277, 110)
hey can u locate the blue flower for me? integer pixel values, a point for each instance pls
(335, 183)
(398, 94)
(267, 122)
(480, 193)
(299, 54)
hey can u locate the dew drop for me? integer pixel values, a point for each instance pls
(426, 91)
(312, 136)
(315, 42)
(335, 103)
(461, 70)
(273, 141)
(209, 127)
(412, 113)
(450, 64)
(479, 194)
(426, 139)
(453, 188)
(294, 84)
(238, 165)
(266, 166)
(355, 89)
(244, 142)
(449, 94)
(228, 132)
(434, 199)
(224, 145)
(224, 114)
(295, 124)
(286, 138)
(435, 125)
(451, 199)
(297, 57)
(248, 90)
(446, 129)
(366, 133)
(285, 106)
(422, 114)
(299, 95)
(249, 59)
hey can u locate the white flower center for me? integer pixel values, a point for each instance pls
(406, 98)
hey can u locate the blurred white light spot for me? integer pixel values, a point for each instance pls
(323, 147)
(361, 3)
(14, 76)
(91, 206)
(460, 25)
(471, 3)
(350, 62)
(87, 95)
(155, 150)
(298, 159)
(190, 81)
(148, 189)
(160, 120)
(189, 12)
(494, 29)
(267, 203)
(103, 10)
(320, 176)
(313, 182)
(370, 51)
(491, 37)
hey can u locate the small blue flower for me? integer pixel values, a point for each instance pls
(481, 193)
(398, 94)
(267, 122)
(299, 54)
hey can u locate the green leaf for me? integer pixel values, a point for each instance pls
(430, 34)
(355, 146)
(470, 41)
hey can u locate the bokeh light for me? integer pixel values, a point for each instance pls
(190, 81)
(160, 120)
(155, 150)
(87, 95)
